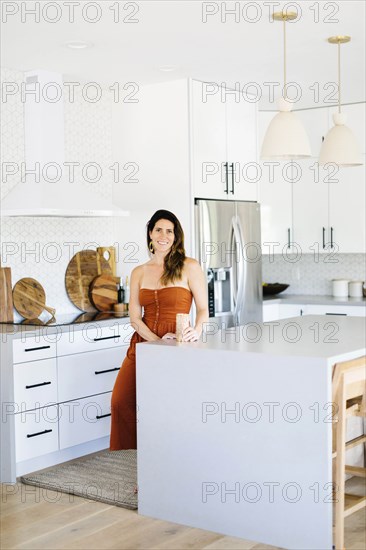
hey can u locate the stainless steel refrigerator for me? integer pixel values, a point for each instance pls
(228, 246)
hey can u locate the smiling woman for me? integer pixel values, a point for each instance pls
(160, 289)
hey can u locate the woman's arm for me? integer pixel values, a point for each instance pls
(197, 284)
(136, 309)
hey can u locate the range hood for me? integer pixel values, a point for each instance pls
(44, 146)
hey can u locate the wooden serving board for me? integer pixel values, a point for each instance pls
(109, 254)
(30, 298)
(6, 296)
(82, 269)
(103, 292)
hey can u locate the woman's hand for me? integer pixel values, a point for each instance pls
(190, 334)
(169, 336)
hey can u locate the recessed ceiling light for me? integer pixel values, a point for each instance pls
(167, 68)
(79, 45)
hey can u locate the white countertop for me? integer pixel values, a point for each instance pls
(310, 336)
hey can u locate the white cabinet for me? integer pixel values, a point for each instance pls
(291, 310)
(241, 121)
(58, 404)
(347, 220)
(210, 168)
(324, 207)
(354, 311)
(224, 143)
(35, 384)
(36, 432)
(88, 373)
(84, 420)
(272, 312)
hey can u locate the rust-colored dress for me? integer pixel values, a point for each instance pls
(160, 309)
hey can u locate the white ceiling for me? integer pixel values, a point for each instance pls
(173, 33)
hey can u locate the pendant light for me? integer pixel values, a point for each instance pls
(340, 145)
(285, 137)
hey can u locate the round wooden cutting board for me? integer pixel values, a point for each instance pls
(82, 269)
(29, 298)
(103, 292)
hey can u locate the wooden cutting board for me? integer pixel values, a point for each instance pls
(6, 296)
(109, 254)
(103, 292)
(82, 269)
(29, 298)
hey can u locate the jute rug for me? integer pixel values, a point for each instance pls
(109, 476)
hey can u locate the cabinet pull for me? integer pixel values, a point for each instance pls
(107, 338)
(102, 416)
(226, 190)
(37, 385)
(301, 312)
(107, 370)
(39, 433)
(289, 238)
(36, 349)
(232, 178)
(323, 238)
(343, 314)
(331, 237)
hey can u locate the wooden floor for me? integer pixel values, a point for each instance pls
(34, 518)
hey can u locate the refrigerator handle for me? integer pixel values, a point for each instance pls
(240, 270)
(226, 190)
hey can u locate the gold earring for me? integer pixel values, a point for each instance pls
(151, 248)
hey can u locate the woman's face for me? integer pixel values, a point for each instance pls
(162, 236)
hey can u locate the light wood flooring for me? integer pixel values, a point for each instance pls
(34, 518)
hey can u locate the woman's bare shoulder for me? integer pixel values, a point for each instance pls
(191, 265)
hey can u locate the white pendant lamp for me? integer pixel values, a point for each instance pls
(340, 145)
(285, 138)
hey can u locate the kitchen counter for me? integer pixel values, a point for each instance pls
(235, 432)
(314, 299)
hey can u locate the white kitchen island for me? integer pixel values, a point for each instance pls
(235, 431)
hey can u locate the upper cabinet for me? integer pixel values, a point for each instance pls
(322, 208)
(224, 143)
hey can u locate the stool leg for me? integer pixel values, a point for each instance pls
(340, 469)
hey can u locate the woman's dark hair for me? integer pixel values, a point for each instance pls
(174, 260)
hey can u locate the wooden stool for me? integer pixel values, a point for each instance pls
(349, 389)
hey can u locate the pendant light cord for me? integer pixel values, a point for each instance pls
(339, 77)
(284, 60)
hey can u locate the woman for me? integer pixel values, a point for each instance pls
(163, 287)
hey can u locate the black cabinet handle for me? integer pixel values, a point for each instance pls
(107, 370)
(323, 238)
(226, 190)
(39, 433)
(36, 349)
(37, 385)
(107, 338)
(289, 238)
(331, 237)
(232, 178)
(102, 416)
(342, 314)
(301, 312)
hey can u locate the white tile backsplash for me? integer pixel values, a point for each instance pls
(308, 276)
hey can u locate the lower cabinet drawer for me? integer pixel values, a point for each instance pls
(88, 373)
(33, 348)
(84, 420)
(36, 432)
(35, 384)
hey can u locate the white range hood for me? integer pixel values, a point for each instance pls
(44, 144)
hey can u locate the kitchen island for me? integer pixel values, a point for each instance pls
(235, 431)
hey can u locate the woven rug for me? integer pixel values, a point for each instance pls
(109, 476)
